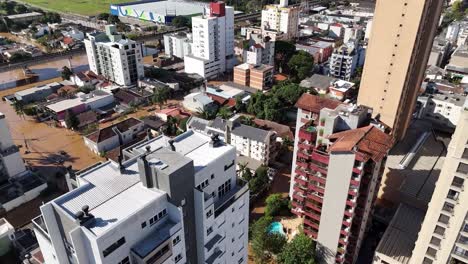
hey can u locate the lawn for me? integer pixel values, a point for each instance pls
(82, 7)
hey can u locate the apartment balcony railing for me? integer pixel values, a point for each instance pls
(312, 215)
(320, 156)
(308, 133)
(311, 224)
(305, 146)
(310, 232)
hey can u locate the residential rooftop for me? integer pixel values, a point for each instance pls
(314, 103)
(108, 132)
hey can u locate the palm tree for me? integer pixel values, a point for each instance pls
(19, 108)
(224, 112)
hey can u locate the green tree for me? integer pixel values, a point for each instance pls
(19, 108)
(300, 250)
(103, 16)
(259, 181)
(264, 243)
(71, 120)
(181, 21)
(224, 112)
(87, 88)
(207, 113)
(301, 65)
(183, 124)
(277, 205)
(171, 126)
(240, 106)
(284, 50)
(160, 96)
(458, 10)
(20, 56)
(66, 73)
(113, 19)
(20, 9)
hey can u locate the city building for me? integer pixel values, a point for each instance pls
(452, 32)
(80, 103)
(178, 44)
(254, 146)
(198, 102)
(37, 93)
(345, 59)
(114, 136)
(442, 109)
(398, 241)
(320, 50)
(213, 42)
(6, 232)
(440, 52)
(170, 201)
(25, 17)
(161, 12)
(443, 234)
(325, 85)
(281, 18)
(256, 76)
(397, 55)
(118, 60)
(17, 184)
(338, 160)
(260, 50)
(458, 65)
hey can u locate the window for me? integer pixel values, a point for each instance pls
(227, 167)
(241, 260)
(126, 260)
(212, 176)
(158, 217)
(209, 213)
(113, 247)
(435, 241)
(158, 254)
(224, 188)
(209, 231)
(431, 252)
(203, 185)
(143, 225)
(176, 240)
(178, 258)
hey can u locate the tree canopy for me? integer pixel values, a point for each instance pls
(300, 65)
(301, 250)
(66, 73)
(181, 21)
(161, 95)
(284, 50)
(71, 120)
(264, 243)
(277, 205)
(259, 181)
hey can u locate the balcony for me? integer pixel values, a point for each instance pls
(298, 197)
(309, 223)
(304, 146)
(313, 206)
(302, 181)
(320, 156)
(315, 197)
(231, 197)
(310, 232)
(312, 215)
(308, 133)
(40, 226)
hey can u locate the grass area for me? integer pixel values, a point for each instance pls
(82, 7)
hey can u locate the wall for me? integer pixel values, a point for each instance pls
(26, 197)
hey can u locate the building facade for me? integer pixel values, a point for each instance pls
(178, 44)
(185, 206)
(118, 60)
(11, 163)
(336, 175)
(256, 76)
(213, 42)
(281, 18)
(345, 59)
(260, 50)
(444, 231)
(397, 55)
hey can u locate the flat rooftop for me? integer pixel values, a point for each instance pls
(80, 99)
(400, 237)
(181, 8)
(192, 145)
(105, 191)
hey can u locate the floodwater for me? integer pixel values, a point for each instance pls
(46, 71)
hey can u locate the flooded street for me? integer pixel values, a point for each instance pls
(46, 71)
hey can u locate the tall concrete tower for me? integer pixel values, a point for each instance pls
(399, 48)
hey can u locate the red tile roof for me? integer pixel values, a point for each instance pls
(368, 141)
(314, 103)
(108, 132)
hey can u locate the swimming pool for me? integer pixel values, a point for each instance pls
(277, 228)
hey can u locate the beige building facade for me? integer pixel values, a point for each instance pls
(444, 234)
(402, 35)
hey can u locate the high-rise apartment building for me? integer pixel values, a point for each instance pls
(345, 60)
(337, 167)
(11, 163)
(261, 50)
(444, 232)
(178, 44)
(282, 19)
(213, 42)
(119, 60)
(398, 51)
(338, 162)
(169, 201)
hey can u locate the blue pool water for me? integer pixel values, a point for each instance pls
(277, 228)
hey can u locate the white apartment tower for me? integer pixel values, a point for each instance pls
(119, 60)
(178, 44)
(345, 60)
(213, 42)
(11, 163)
(281, 18)
(167, 201)
(444, 232)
